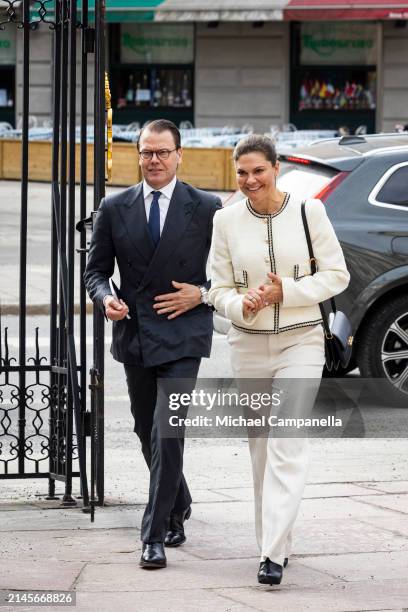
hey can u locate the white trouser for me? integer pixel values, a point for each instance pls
(279, 465)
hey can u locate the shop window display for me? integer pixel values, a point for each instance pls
(337, 94)
(152, 72)
(154, 88)
(334, 75)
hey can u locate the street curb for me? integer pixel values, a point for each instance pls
(37, 309)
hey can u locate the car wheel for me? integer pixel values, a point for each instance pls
(383, 350)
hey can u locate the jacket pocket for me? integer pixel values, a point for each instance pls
(301, 270)
(241, 278)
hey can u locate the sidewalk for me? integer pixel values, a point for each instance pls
(350, 541)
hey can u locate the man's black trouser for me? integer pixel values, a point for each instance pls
(168, 490)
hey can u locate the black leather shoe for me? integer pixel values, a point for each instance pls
(270, 572)
(285, 562)
(175, 535)
(153, 556)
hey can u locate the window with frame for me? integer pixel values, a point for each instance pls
(395, 189)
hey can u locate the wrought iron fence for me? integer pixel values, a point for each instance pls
(44, 421)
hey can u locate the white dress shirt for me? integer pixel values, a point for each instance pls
(164, 200)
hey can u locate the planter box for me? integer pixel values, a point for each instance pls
(39, 160)
(204, 168)
(125, 168)
(231, 179)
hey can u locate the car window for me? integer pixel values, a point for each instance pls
(395, 189)
(304, 181)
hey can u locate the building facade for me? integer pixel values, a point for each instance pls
(227, 71)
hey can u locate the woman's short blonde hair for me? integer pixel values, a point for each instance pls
(256, 143)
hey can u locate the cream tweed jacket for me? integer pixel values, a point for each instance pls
(247, 245)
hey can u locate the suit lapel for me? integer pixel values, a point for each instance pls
(179, 215)
(133, 214)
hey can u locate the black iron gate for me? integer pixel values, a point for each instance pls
(45, 419)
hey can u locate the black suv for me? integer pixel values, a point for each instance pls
(363, 181)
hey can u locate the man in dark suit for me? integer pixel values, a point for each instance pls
(159, 233)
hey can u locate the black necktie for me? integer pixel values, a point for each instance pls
(154, 217)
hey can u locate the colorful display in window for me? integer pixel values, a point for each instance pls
(319, 94)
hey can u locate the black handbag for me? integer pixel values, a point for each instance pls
(337, 327)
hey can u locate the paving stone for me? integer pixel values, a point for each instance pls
(398, 486)
(192, 575)
(207, 496)
(38, 575)
(191, 600)
(337, 508)
(335, 489)
(398, 526)
(74, 518)
(364, 567)
(335, 597)
(398, 502)
(237, 493)
(310, 537)
(111, 546)
(121, 494)
(231, 512)
(325, 536)
(222, 542)
(18, 506)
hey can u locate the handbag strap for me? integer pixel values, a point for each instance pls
(313, 267)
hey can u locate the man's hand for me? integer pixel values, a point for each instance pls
(185, 298)
(271, 293)
(115, 310)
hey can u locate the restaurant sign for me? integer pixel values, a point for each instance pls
(338, 44)
(157, 43)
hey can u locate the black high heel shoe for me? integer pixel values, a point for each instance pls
(270, 572)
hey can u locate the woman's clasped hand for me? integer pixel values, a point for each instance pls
(265, 295)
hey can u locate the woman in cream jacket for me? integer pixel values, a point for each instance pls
(261, 280)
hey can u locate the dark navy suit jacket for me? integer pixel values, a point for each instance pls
(121, 232)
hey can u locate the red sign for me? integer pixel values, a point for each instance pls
(331, 10)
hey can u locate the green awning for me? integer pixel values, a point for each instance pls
(119, 11)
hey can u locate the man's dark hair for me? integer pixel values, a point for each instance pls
(255, 143)
(159, 126)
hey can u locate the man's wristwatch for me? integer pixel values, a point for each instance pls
(204, 295)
